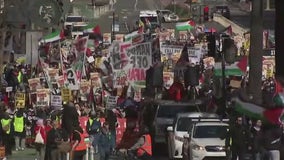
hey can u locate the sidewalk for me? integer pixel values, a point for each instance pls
(27, 154)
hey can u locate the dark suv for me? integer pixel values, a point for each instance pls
(223, 10)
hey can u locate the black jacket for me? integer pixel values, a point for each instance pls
(239, 135)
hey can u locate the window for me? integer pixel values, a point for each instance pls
(183, 124)
(78, 29)
(170, 111)
(209, 131)
(74, 19)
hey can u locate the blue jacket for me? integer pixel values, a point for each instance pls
(105, 142)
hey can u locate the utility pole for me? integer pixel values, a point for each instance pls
(279, 39)
(113, 29)
(256, 52)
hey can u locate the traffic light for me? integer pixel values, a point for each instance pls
(229, 50)
(211, 45)
(206, 13)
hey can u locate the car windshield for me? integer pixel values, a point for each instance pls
(170, 111)
(209, 131)
(183, 124)
(74, 19)
(78, 29)
(166, 12)
(153, 19)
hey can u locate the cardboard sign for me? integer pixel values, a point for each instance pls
(140, 60)
(66, 94)
(9, 89)
(85, 87)
(209, 62)
(43, 97)
(119, 78)
(111, 102)
(106, 38)
(34, 84)
(95, 80)
(20, 100)
(118, 57)
(56, 100)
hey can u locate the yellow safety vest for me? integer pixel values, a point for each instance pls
(6, 122)
(20, 75)
(91, 121)
(19, 124)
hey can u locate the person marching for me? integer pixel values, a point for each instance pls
(19, 130)
(6, 133)
(143, 145)
(79, 146)
(93, 129)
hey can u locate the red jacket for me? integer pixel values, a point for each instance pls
(42, 132)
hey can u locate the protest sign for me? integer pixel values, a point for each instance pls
(9, 89)
(56, 100)
(43, 97)
(66, 94)
(111, 102)
(73, 72)
(118, 57)
(20, 100)
(137, 94)
(34, 84)
(183, 35)
(71, 81)
(169, 50)
(208, 62)
(60, 81)
(120, 78)
(85, 87)
(52, 75)
(140, 60)
(119, 37)
(168, 78)
(268, 66)
(95, 80)
(107, 38)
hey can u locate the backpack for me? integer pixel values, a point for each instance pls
(96, 126)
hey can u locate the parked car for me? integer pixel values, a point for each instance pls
(206, 140)
(182, 123)
(223, 10)
(165, 114)
(167, 16)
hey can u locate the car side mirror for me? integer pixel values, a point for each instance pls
(170, 128)
(186, 135)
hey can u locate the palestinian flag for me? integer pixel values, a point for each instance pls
(92, 28)
(135, 37)
(185, 26)
(230, 70)
(273, 115)
(52, 37)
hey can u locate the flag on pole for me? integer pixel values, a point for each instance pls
(54, 36)
(185, 26)
(92, 28)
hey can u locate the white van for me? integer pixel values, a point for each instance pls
(180, 127)
(152, 16)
